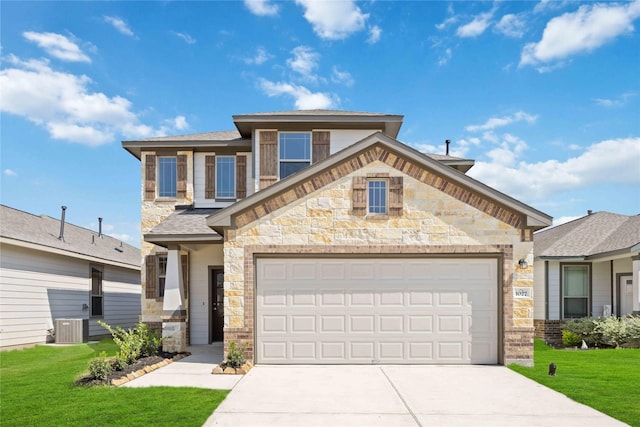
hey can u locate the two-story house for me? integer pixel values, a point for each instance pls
(317, 237)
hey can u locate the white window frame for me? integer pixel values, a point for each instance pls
(100, 294)
(233, 176)
(161, 276)
(280, 160)
(159, 180)
(564, 297)
(386, 196)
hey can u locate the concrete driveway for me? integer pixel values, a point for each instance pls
(397, 396)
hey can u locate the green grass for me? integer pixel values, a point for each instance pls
(607, 380)
(36, 389)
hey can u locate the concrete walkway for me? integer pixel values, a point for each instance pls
(398, 396)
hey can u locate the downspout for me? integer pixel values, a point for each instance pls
(612, 287)
(546, 290)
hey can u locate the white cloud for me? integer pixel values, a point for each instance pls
(304, 62)
(259, 58)
(304, 98)
(617, 102)
(185, 36)
(511, 25)
(495, 122)
(447, 22)
(584, 30)
(57, 46)
(613, 161)
(334, 20)
(476, 27)
(545, 5)
(445, 57)
(119, 24)
(261, 7)
(9, 172)
(374, 34)
(63, 104)
(180, 123)
(343, 77)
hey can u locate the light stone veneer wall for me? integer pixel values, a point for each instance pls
(153, 213)
(433, 222)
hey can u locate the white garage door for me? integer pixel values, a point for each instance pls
(377, 310)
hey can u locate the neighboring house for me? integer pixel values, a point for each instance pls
(50, 270)
(317, 237)
(586, 267)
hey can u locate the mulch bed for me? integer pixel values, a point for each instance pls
(137, 366)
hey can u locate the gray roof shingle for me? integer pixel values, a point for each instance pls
(591, 235)
(44, 231)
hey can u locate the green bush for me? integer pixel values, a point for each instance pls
(585, 328)
(100, 367)
(571, 339)
(134, 343)
(614, 331)
(633, 326)
(151, 340)
(119, 363)
(235, 356)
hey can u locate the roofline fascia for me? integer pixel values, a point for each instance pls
(135, 148)
(49, 249)
(534, 217)
(181, 238)
(562, 258)
(619, 253)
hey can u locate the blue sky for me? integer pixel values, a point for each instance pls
(545, 96)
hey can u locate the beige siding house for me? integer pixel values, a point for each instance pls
(317, 237)
(83, 275)
(586, 267)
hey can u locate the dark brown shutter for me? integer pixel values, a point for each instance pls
(181, 166)
(268, 158)
(184, 259)
(209, 177)
(321, 145)
(359, 190)
(149, 177)
(150, 282)
(241, 177)
(395, 196)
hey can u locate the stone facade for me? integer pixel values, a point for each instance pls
(438, 218)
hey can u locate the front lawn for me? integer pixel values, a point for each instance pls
(607, 380)
(36, 389)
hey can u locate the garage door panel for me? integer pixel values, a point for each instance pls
(387, 311)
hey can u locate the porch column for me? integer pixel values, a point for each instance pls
(174, 314)
(636, 284)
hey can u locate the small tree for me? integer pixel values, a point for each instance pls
(614, 331)
(235, 356)
(133, 343)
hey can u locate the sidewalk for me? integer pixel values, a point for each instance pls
(192, 371)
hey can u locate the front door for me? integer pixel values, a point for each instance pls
(216, 280)
(626, 295)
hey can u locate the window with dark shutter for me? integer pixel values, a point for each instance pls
(359, 190)
(321, 145)
(181, 187)
(268, 158)
(395, 196)
(97, 300)
(149, 177)
(150, 279)
(210, 177)
(241, 177)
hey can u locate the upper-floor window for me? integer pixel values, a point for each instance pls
(225, 177)
(295, 152)
(167, 177)
(96, 291)
(377, 196)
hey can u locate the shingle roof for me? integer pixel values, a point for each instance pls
(318, 112)
(43, 231)
(184, 225)
(225, 135)
(591, 235)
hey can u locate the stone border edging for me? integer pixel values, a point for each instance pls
(150, 368)
(232, 371)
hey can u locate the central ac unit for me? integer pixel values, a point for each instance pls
(72, 331)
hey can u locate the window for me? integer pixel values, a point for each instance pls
(575, 291)
(377, 196)
(161, 274)
(225, 177)
(96, 291)
(295, 152)
(167, 177)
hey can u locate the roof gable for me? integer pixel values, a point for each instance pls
(397, 155)
(589, 236)
(42, 232)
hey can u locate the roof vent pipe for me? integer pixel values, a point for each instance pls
(447, 142)
(100, 227)
(61, 237)
(589, 212)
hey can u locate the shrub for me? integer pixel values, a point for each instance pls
(585, 328)
(134, 343)
(151, 340)
(100, 367)
(614, 331)
(119, 363)
(633, 327)
(571, 339)
(235, 356)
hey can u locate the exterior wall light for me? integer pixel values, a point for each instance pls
(523, 263)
